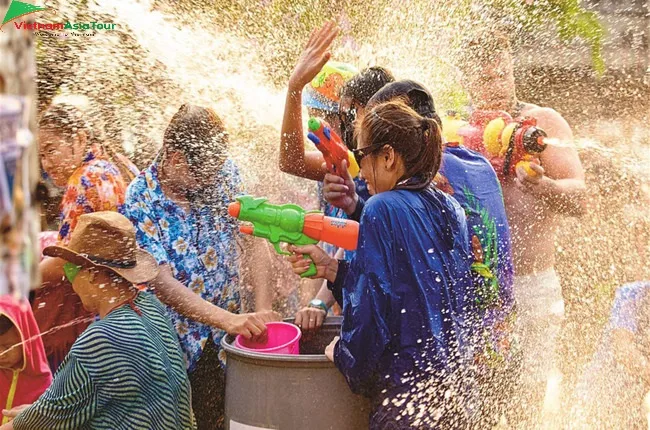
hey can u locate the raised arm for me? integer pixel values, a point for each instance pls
(294, 159)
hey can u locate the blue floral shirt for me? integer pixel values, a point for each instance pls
(199, 246)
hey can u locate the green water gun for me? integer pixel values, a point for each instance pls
(294, 225)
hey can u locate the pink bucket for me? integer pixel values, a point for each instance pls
(282, 338)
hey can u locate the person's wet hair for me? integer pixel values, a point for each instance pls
(360, 89)
(415, 95)
(199, 134)
(417, 139)
(5, 324)
(482, 47)
(67, 120)
(364, 85)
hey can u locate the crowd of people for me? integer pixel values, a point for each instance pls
(451, 305)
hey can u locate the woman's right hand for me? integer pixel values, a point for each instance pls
(251, 325)
(340, 191)
(325, 265)
(309, 318)
(314, 56)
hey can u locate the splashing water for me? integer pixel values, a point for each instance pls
(196, 60)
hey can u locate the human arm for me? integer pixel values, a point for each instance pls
(256, 266)
(366, 292)
(173, 292)
(68, 403)
(184, 301)
(293, 157)
(560, 180)
(628, 354)
(312, 317)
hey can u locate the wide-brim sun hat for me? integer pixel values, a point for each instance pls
(107, 240)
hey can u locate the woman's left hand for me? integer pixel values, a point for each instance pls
(329, 351)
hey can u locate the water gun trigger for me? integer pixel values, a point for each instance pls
(311, 136)
(279, 250)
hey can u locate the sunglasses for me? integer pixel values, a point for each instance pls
(71, 271)
(360, 154)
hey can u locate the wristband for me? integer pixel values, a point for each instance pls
(318, 303)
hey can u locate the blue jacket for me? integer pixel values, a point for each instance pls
(405, 293)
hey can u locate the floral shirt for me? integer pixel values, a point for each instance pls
(96, 185)
(200, 248)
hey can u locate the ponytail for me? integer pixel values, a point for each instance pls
(417, 139)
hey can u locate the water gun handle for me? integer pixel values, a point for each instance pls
(312, 266)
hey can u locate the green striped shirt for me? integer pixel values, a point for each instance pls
(125, 371)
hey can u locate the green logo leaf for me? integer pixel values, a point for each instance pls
(18, 9)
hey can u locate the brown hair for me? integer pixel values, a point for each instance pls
(5, 324)
(68, 120)
(416, 139)
(199, 134)
(481, 46)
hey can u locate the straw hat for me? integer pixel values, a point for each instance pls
(107, 240)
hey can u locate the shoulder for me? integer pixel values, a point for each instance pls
(93, 340)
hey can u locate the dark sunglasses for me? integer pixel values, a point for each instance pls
(360, 154)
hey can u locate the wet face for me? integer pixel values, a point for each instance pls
(380, 166)
(85, 285)
(491, 84)
(185, 178)
(11, 351)
(60, 155)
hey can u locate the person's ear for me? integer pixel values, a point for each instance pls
(389, 156)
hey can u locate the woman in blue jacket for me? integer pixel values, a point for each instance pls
(406, 294)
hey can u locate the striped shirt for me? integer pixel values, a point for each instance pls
(124, 372)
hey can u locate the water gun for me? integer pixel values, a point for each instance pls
(293, 225)
(331, 146)
(506, 142)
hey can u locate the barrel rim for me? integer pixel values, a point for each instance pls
(227, 343)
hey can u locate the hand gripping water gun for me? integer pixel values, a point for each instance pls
(331, 146)
(292, 224)
(507, 143)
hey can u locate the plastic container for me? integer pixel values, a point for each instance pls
(282, 338)
(291, 392)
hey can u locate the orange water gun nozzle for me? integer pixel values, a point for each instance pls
(233, 209)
